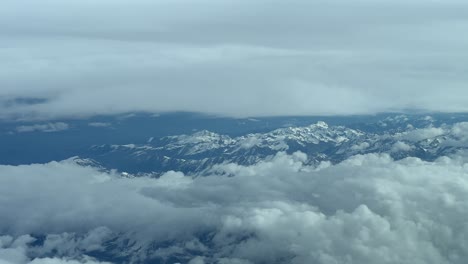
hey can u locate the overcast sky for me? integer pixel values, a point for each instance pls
(236, 58)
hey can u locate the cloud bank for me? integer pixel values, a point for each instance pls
(367, 209)
(235, 58)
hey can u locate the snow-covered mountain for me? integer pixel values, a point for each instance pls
(398, 136)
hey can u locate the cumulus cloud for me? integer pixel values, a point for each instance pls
(401, 146)
(49, 127)
(460, 131)
(367, 209)
(239, 58)
(422, 134)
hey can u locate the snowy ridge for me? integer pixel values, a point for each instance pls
(204, 141)
(320, 141)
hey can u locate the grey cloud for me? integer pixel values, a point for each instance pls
(49, 127)
(238, 58)
(15, 250)
(367, 209)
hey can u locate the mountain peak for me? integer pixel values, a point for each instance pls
(321, 124)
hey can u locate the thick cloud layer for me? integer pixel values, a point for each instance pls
(239, 58)
(367, 209)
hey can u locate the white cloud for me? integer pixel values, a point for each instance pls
(99, 124)
(15, 251)
(239, 58)
(422, 133)
(250, 141)
(460, 131)
(401, 146)
(49, 127)
(367, 209)
(361, 146)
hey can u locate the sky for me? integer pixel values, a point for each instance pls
(234, 58)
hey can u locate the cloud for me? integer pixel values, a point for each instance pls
(401, 146)
(459, 130)
(445, 136)
(422, 134)
(236, 58)
(99, 124)
(15, 251)
(360, 147)
(367, 209)
(49, 127)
